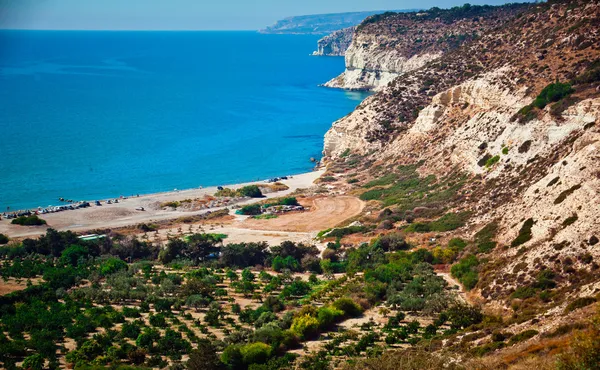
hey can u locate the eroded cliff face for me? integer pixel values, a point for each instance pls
(388, 45)
(534, 170)
(370, 67)
(336, 43)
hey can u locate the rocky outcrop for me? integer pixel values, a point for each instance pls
(369, 67)
(336, 43)
(385, 46)
(534, 170)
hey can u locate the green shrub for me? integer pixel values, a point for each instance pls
(328, 316)
(448, 222)
(131, 330)
(385, 180)
(255, 353)
(232, 357)
(289, 201)
(527, 113)
(264, 217)
(492, 161)
(34, 362)
(418, 227)
(552, 93)
(305, 326)
(322, 233)
(341, 232)
(73, 254)
(251, 210)
(348, 307)
(484, 237)
(580, 303)
(522, 336)
(279, 263)
(505, 150)
(523, 292)
(465, 271)
(524, 234)
(470, 279)
(461, 316)
(457, 243)
(148, 227)
(157, 320)
(481, 351)
(392, 242)
(297, 288)
(251, 191)
(226, 192)
(32, 220)
(545, 280)
(410, 191)
(112, 265)
(486, 247)
(3, 239)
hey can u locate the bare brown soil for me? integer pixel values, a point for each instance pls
(324, 213)
(11, 285)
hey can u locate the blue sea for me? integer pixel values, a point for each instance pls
(93, 115)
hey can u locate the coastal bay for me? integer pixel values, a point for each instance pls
(97, 115)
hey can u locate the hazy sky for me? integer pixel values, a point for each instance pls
(185, 14)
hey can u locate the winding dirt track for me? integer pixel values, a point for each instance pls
(324, 213)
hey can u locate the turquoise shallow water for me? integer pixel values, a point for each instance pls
(92, 115)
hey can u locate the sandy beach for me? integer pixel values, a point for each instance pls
(124, 213)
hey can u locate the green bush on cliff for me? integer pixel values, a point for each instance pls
(552, 93)
(492, 161)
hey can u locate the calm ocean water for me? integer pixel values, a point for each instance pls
(92, 115)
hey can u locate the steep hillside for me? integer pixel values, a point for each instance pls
(390, 44)
(336, 43)
(497, 139)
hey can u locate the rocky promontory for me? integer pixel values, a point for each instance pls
(336, 43)
(385, 46)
